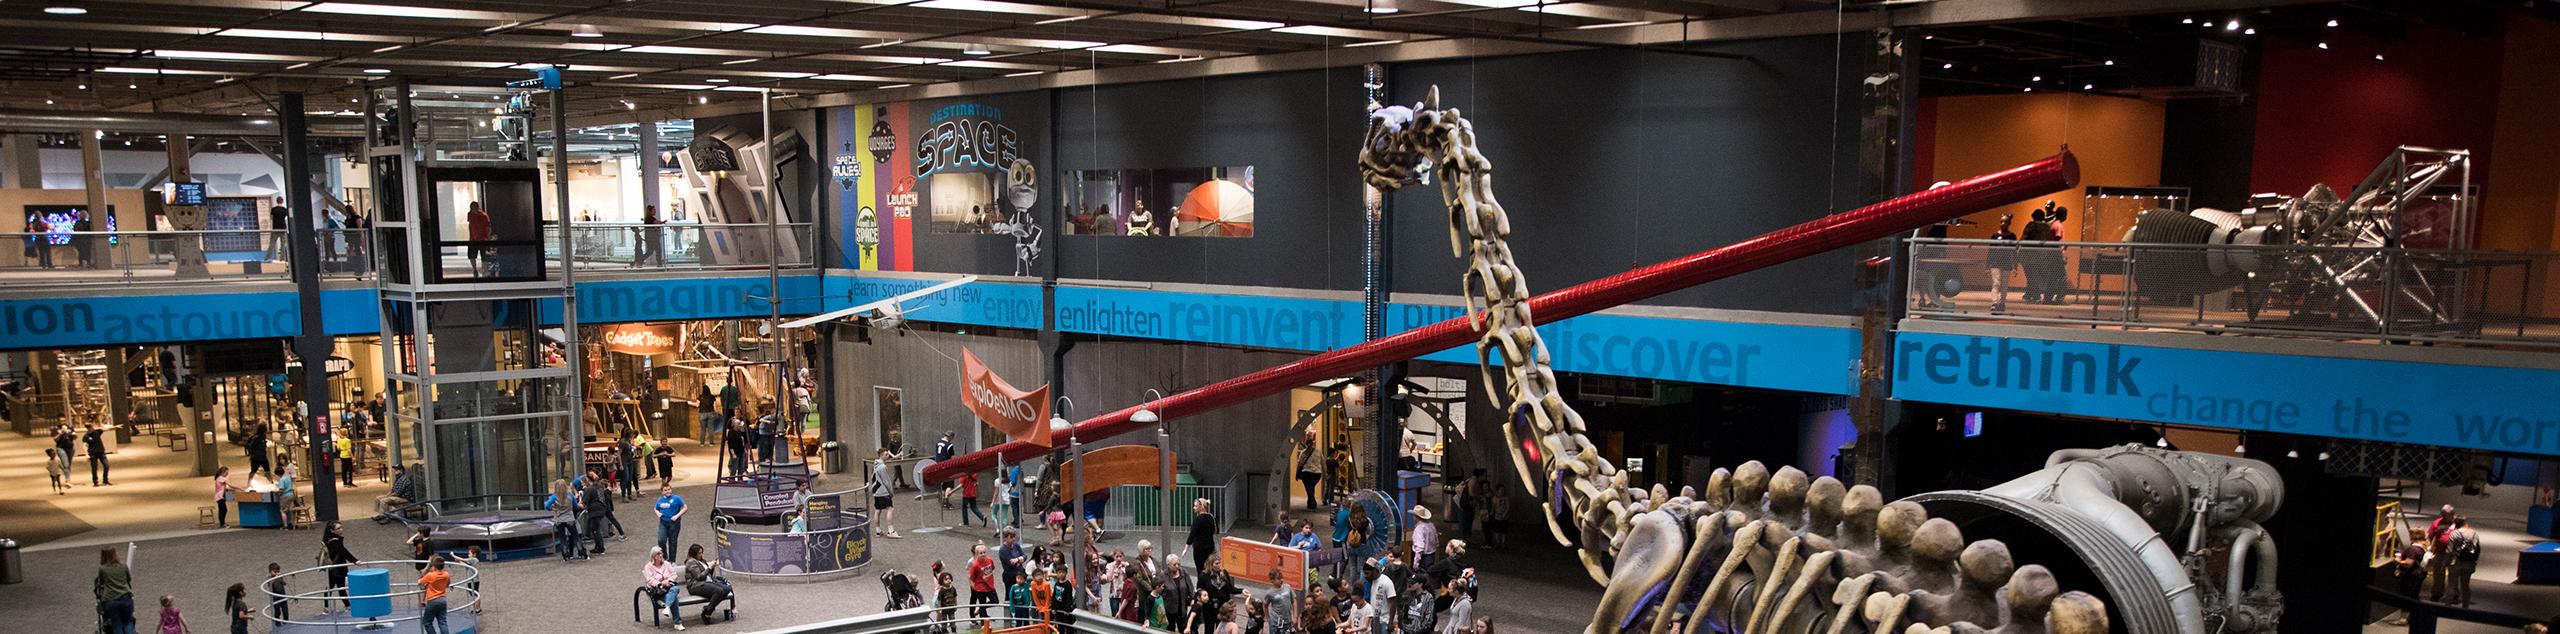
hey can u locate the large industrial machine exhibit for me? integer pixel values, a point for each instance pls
(2124, 539)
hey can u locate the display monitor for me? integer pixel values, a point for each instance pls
(186, 194)
(55, 224)
(1972, 424)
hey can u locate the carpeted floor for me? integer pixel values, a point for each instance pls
(33, 522)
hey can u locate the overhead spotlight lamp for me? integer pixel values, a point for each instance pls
(2110, 62)
(377, 71)
(2324, 455)
(702, 99)
(974, 49)
(627, 105)
(2377, 57)
(1146, 415)
(2289, 453)
(84, 85)
(1947, 66)
(2242, 449)
(2088, 86)
(2249, 31)
(2027, 89)
(1383, 7)
(2037, 78)
(132, 86)
(2187, 20)
(585, 30)
(2333, 23)
(2324, 45)
(2233, 25)
(64, 9)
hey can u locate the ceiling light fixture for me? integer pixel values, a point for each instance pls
(974, 49)
(2187, 20)
(2324, 46)
(1026, 73)
(586, 30)
(2377, 57)
(2333, 23)
(2037, 78)
(1383, 7)
(377, 71)
(1947, 66)
(702, 99)
(2088, 86)
(883, 44)
(2233, 25)
(895, 86)
(64, 9)
(2250, 31)
(718, 80)
(2028, 89)
(85, 85)
(622, 76)
(627, 105)
(2111, 62)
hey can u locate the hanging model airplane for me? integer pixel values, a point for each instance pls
(889, 311)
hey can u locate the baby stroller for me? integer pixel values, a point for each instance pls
(903, 593)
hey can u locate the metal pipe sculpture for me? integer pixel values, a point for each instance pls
(1834, 231)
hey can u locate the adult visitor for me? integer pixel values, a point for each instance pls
(476, 221)
(64, 440)
(1310, 474)
(254, 442)
(646, 250)
(113, 589)
(598, 500)
(702, 579)
(1203, 539)
(663, 582)
(670, 517)
(1176, 589)
(2440, 561)
(1426, 537)
(2464, 545)
(1282, 602)
(1010, 555)
(626, 466)
(564, 505)
(706, 409)
(334, 553)
(99, 471)
(404, 492)
(884, 487)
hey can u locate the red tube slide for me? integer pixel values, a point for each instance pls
(1834, 231)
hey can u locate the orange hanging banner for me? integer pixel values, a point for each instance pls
(1022, 416)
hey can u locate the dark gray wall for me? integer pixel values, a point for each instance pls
(1028, 114)
(1299, 130)
(1608, 160)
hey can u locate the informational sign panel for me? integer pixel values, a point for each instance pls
(825, 512)
(641, 339)
(237, 218)
(1253, 561)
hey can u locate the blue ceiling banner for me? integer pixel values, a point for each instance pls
(2451, 405)
(71, 322)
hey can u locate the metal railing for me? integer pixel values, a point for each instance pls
(1134, 506)
(606, 246)
(2346, 293)
(956, 619)
(128, 258)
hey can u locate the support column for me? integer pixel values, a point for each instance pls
(187, 250)
(119, 394)
(93, 177)
(1884, 152)
(1376, 284)
(26, 162)
(312, 344)
(200, 422)
(649, 166)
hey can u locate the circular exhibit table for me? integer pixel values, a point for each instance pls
(505, 525)
(375, 602)
(838, 540)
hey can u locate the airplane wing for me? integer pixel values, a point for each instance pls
(891, 303)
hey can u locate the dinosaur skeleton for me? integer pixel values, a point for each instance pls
(1776, 551)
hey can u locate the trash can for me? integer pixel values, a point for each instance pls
(10, 570)
(836, 462)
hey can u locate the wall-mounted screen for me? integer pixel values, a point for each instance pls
(186, 194)
(236, 220)
(1208, 202)
(54, 224)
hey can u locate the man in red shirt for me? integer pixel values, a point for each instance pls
(982, 581)
(478, 222)
(2441, 561)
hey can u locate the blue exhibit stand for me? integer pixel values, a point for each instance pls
(2540, 521)
(2539, 563)
(1409, 486)
(369, 581)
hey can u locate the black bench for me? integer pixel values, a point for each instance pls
(640, 598)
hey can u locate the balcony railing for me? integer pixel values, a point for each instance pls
(140, 258)
(605, 246)
(2493, 298)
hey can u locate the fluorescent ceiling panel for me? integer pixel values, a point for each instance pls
(223, 56)
(352, 8)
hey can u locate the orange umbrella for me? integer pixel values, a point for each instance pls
(1219, 206)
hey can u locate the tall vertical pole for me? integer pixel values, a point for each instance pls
(780, 352)
(575, 356)
(1164, 477)
(1386, 441)
(312, 343)
(93, 178)
(1883, 172)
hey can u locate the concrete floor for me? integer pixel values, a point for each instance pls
(1533, 587)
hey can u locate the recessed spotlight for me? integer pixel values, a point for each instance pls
(2233, 25)
(84, 85)
(130, 86)
(64, 9)
(2187, 20)
(2111, 62)
(2377, 57)
(2250, 31)
(2037, 78)
(1931, 36)
(2324, 46)
(2333, 23)
(1947, 66)
(48, 102)
(627, 105)
(2027, 89)
(2088, 86)
(377, 71)
(702, 99)
(585, 30)
(718, 80)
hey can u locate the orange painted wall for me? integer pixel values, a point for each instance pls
(2116, 139)
(2520, 206)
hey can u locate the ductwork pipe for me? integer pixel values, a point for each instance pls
(40, 121)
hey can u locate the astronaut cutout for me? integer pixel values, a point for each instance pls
(1022, 190)
(189, 254)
